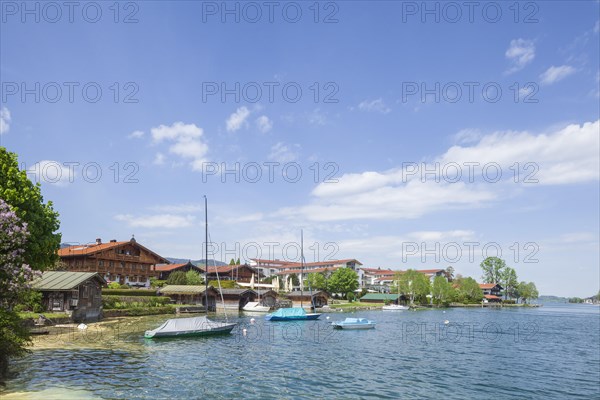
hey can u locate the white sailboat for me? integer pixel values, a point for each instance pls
(194, 326)
(395, 307)
(255, 306)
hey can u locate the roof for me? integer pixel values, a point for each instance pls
(304, 271)
(183, 289)
(171, 267)
(489, 285)
(379, 296)
(236, 291)
(306, 293)
(223, 269)
(492, 297)
(64, 280)
(90, 249)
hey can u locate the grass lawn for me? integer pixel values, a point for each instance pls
(27, 315)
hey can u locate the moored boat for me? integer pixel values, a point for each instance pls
(186, 327)
(394, 307)
(354, 323)
(291, 314)
(255, 306)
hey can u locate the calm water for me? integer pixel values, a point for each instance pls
(548, 353)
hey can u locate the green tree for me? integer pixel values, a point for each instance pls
(343, 280)
(469, 291)
(414, 284)
(509, 282)
(238, 261)
(295, 280)
(193, 278)
(26, 200)
(442, 290)
(316, 281)
(232, 262)
(493, 268)
(527, 291)
(177, 278)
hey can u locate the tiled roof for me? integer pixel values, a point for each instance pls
(237, 291)
(87, 249)
(64, 280)
(492, 297)
(488, 285)
(223, 269)
(169, 267)
(183, 289)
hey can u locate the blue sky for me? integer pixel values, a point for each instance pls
(398, 92)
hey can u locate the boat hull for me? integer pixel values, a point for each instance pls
(255, 307)
(222, 330)
(353, 327)
(394, 308)
(293, 317)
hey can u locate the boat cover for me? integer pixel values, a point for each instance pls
(289, 312)
(187, 324)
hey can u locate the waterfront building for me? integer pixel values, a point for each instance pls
(127, 263)
(164, 270)
(78, 294)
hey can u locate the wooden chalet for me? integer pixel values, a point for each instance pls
(127, 262)
(318, 299)
(76, 293)
(492, 292)
(191, 294)
(238, 273)
(238, 298)
(164, 270)
(268, 298)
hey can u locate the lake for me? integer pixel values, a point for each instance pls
(551, 352)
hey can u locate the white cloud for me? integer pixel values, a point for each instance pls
(283, 153)
(167, 221)
(597, 26)
(555, 74)
(237, 119)
(159, 159)
(569, 155)
(465, 136)
(520, 53)
(264, 124)
(187, 143)
(52, 172)
(136, 135)
(566, 156)
(377, 105)
(4, 120)
(317, 117)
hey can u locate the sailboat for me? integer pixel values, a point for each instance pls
(194, 326)
(395, 307)
(255, 306)
(295, 313)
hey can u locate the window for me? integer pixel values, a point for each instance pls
(111, 264)
(101, 263)
(85, 294)
(123, 265)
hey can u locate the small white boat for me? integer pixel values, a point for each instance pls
(394, 307)
(254, 306)
(353, 323)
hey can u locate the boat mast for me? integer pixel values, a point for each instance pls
(206, 253)
(301, 267)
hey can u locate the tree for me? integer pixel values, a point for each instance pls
(527, 291)
(492, 269)
(469, 291)
(442, 290)
(232, 262)
(26, 200)
(295, 280)
(413, 283)
(238, 261)
(177, 278)
(193, 278)
(316, 281)
(343, 280)
(509, 282)
(449, 273)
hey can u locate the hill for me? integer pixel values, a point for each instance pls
(195, 262)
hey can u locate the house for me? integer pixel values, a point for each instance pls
(384, 298)
(382, 279)
(128, 262)
(324, 267)
(76, 293)
(492, 292)
(318, 298)
(191, 294)
(268, 268)
(238, 298)
(238, 273)
(268, 298)
(164, 270)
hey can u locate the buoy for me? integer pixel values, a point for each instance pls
(443, 312)
(446, 322)
(244, 331)
(82, 326)
(327, 317)
(252, 320)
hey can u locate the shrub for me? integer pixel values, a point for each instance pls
(125, 302)
(114, 285)
(224, 284)
(510, 301)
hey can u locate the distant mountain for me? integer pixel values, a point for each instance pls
(195, 262)
(552, 299)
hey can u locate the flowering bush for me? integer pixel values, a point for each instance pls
(15, 276)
